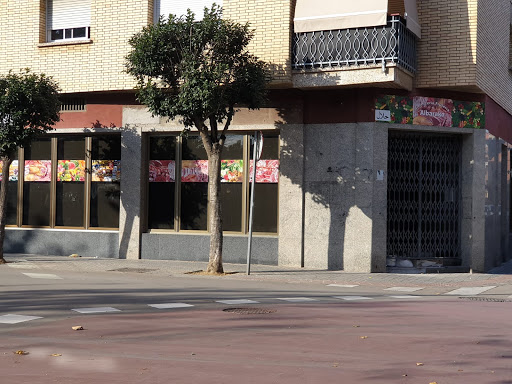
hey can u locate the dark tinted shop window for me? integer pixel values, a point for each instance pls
(105, 178)
(232, 183)
(162, 182)
(36, 188)
(70, 193)
(12, 192)
(266, 192)
(194, 185)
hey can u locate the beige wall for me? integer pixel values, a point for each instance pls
(78, 67)
(272, 21)
(447, 50)
(493, 51)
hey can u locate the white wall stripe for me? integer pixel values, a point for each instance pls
(170, 305)
(96, 310)
(353, 298)
(241, 301)
(15, 319)
(42, 276)
(470, 291)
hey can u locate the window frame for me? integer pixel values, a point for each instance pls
(72, 29)
(177, 193)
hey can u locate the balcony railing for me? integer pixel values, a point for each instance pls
(391, 43)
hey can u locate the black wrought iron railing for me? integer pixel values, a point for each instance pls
(391, 43)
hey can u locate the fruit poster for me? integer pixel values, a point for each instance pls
(430, 111)
(232, 171)
(38, 170)
(106, 170)
(162, 171)
(194, 171)
(267, 171)
(71, 170)
(13, 171)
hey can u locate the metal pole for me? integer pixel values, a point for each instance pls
(251, 204)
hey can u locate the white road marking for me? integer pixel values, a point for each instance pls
(353, 298)
(404, 289)
(470, 291)
(295, 299)
(342, 285)
(43, 276)
(240, 301)
(15, 319)
(22, 265)
(406, 297)
(170, 305)
(96, 310)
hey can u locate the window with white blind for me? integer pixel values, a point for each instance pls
(68, 19)
(180, 7)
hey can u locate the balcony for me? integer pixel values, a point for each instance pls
(385, 54)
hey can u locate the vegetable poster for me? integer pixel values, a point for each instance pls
(106, 170)
(38, 170)
(13, 171)
(232, 171)
(71, 170)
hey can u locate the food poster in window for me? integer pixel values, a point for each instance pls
(267, 171)
(194, 171)
(394, 109)
(467, 114)
(13, 171)
(232, 171)
(38, 170)
(71, 170)
(106, 170)
(162, 171)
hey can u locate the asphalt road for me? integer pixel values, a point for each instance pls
(289, 332)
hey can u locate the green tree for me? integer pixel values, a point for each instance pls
(199, 72)
(29, 106)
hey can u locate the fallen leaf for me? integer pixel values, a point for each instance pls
(75, 255)
(364, 337)
(56, 354)
(419, 364)
(335, 365)
(433, 382)
(356, 326)
(77, 328)
(460, 370)
(20, 352)
(404, 375)
(193, 354)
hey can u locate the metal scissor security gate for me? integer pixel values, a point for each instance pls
(423, 196)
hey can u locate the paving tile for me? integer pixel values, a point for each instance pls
(470, 291)
(170, 305)
(240, 301)
(96, 310)
(42, 276)
(15, 319)
(296, 299)
(353, 298)
(404, 289)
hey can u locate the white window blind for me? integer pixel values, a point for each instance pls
(63, 14)
(179, 7)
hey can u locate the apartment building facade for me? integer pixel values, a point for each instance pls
(386, 137)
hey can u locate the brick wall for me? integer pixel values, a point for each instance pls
(78, 67)
(447, 51)
(493, 52)
(272, 22)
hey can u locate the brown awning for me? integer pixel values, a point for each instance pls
(321, 15)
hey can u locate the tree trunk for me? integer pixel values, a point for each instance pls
(6, 162)
(215, 260)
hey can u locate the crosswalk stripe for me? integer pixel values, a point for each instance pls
(15, 319)
(343, 285)
(404, 289)
(406, 297)
(96, 310)
(241, 301)
(43, 276)
(353, 298)
(170, 305)
(470, 291)
(296, 299)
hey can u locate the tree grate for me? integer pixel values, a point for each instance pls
(249, 311)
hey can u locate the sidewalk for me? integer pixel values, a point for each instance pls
(499, 276)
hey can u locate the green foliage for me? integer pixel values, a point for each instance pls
(197, 70)
(29, 105)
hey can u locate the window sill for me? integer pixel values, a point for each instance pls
(59, 43)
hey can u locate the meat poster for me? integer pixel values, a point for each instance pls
(194, 171)
(162, 171)
(267, 171)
